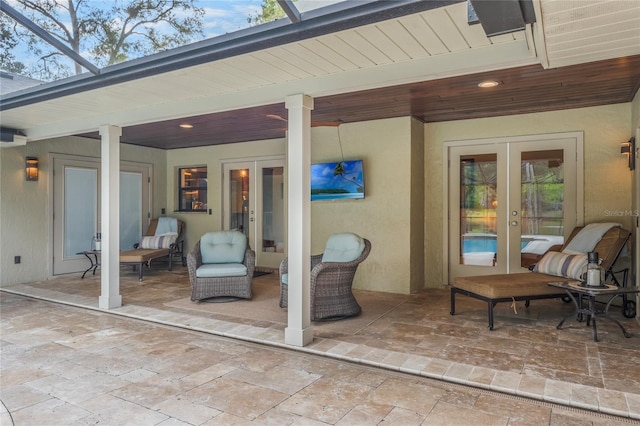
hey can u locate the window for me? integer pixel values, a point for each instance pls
(192, 190)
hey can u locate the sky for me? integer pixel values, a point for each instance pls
(225, 16)
(221, 17)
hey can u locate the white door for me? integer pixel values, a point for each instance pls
(253, 202)
(510, 197)
(76, 205)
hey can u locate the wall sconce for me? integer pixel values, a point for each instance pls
(31, 168)
(629, 148)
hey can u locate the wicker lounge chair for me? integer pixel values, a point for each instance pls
(227, 268)
(331, 281)
(154, 247)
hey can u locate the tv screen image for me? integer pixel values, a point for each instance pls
(337, 181)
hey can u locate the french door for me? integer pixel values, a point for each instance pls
(76, 206)
(510, 198)
(253, 203)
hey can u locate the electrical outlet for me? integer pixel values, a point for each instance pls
(16, 259)
(163, 210)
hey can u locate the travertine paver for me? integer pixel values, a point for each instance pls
(63, 365)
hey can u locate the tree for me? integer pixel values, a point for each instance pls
(105, 32)
(271, 11)
(8, 42)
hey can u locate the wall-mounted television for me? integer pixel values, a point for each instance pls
(341, 180)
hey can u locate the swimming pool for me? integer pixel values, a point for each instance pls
(484, 243)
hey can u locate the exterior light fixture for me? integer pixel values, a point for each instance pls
(31, 168)
(488, 83)
(186, 126)
(630, 149)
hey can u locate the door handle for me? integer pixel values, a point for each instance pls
(514, 223)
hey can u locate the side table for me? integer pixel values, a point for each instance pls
(589, 294)
(94, 262)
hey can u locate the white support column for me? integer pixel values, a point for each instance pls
(299, 331)
(110, 218)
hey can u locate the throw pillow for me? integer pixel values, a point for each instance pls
(562, 264)
(158, 242)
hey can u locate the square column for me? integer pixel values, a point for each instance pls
(299, 331)
(110, 218)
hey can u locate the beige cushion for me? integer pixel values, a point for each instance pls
(142, 255)
(510, 285)
(218, 270)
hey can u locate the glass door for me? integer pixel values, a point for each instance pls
(132, 222)
(77, 206)
(76, 203)
(253, 203)
(543, 202)
(271, 224)
(477, 207)
(509, 203)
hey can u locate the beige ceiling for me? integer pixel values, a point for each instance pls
(412, 49)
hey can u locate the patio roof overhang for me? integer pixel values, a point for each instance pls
(337, 17)
(413, 57)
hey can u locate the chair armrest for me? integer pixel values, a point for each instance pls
(557, 247)
(353, 265)
(249, 261)
(315, 260)
(284, 267)
(194, 261)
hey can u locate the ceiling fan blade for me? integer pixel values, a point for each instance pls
(325, 123)
(276, 117)
(313, 123)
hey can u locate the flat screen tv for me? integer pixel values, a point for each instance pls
(337, 181)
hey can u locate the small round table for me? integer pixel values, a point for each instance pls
(94, 261)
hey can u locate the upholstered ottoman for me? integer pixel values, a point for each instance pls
(139, 257)
(506, 288)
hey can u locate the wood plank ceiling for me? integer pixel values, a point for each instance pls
(522, 90)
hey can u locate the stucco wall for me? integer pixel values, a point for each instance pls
(383, 216)
(635, 194)
(607, 179)
(24, 206)
(393, 157)
(417, 209)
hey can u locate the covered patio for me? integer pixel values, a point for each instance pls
(524, 355)
(393, 82)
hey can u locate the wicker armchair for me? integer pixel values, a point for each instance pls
(206, 284)
(331, 282)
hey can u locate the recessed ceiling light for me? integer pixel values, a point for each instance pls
(488, 83)
(186, 126)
